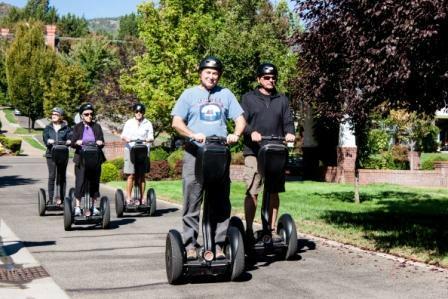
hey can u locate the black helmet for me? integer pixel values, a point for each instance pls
(138, 107)
(58, 110)
(266, 69)
(211, 62)
(86, 106)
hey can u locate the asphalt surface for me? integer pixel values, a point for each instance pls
(127, 261)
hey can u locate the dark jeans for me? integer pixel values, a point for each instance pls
(192, 193)
(60, 180)
(92, 177)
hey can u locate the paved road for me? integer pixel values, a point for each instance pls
(127, 261)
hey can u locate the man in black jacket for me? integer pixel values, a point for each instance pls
(267, 113)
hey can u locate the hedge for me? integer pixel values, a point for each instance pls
(109, 172)
(13, 144)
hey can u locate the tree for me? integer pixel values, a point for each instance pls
(72, 26)
(29, 68)
(67, 89)
(128, 26)
(96, 56)
(360, 55)
(35, 10)
(177, 34)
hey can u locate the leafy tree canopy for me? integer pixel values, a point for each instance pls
(29, 68)
(73, 26)
(177, 34)
(128, 26)
(38, 10)
(357, 56)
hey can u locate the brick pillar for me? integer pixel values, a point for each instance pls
(442, 168)
(50, 37)
(346, 164)
(414, 160)
(5, 32)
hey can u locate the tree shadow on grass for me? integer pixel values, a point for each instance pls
(399, 219)
(348, 196)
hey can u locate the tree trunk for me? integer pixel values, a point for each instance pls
(357, 186)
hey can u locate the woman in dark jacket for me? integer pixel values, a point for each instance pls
(53, 133)
(87, 131)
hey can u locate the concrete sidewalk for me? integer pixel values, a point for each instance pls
(21, 276)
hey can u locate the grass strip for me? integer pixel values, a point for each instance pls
(9, 114)
(409, 222)
(34, 143)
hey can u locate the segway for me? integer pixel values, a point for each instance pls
(212, 166)
(272, 159)
(59, 155)
(139, 157)
(91, 159)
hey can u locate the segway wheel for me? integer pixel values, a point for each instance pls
(41, 202)
(68, 215)
(119, 203)
(105, 210)
(174, 257)
(152, 201)
(287, 229)
(235, 253)
(71, 194)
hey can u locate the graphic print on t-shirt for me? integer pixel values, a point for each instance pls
(210, 113)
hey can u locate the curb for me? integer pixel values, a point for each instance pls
(43, 287)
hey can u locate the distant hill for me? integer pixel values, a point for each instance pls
(108, 25)
(4, 9)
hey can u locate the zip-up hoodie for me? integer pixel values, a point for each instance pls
(268, 115)
(63, 134)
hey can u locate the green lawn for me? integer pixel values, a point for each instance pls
(9, 114)
(410, 222)
(34, 143)
(24, 131)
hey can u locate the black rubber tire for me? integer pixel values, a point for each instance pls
(152, 201)
(71, 194)
(41, 202)
(105, 210)
(174, 257)
(287, 229)
(235, 252)
(68, 214)
(119, 203)
(238, 223)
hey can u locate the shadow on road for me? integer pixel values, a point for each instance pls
(260, 259)
(13, 248)
(15, 180)
(112, 290)
(4, 166)
(158, 213)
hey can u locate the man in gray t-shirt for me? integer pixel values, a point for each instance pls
(199, 112)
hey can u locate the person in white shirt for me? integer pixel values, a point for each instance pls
(136, 128)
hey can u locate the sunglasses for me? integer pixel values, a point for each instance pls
(57, 114)
(141, 112)
(87, 114)
(269, 78)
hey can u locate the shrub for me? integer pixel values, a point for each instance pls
(118, 162)
(377, 141)
(238, 158)
(176, 173)
(175, 156)
(428, 163)
(158, 154)
(13, 144)
(159, 170)
(109, 172)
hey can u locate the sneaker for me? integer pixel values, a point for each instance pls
(77, 211)
(219, 254)
(96, 212)
(192, 254)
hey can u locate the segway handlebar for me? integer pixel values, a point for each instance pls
(139, 141)
(273, 138)
(213, 138)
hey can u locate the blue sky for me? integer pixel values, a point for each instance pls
(92, 8)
